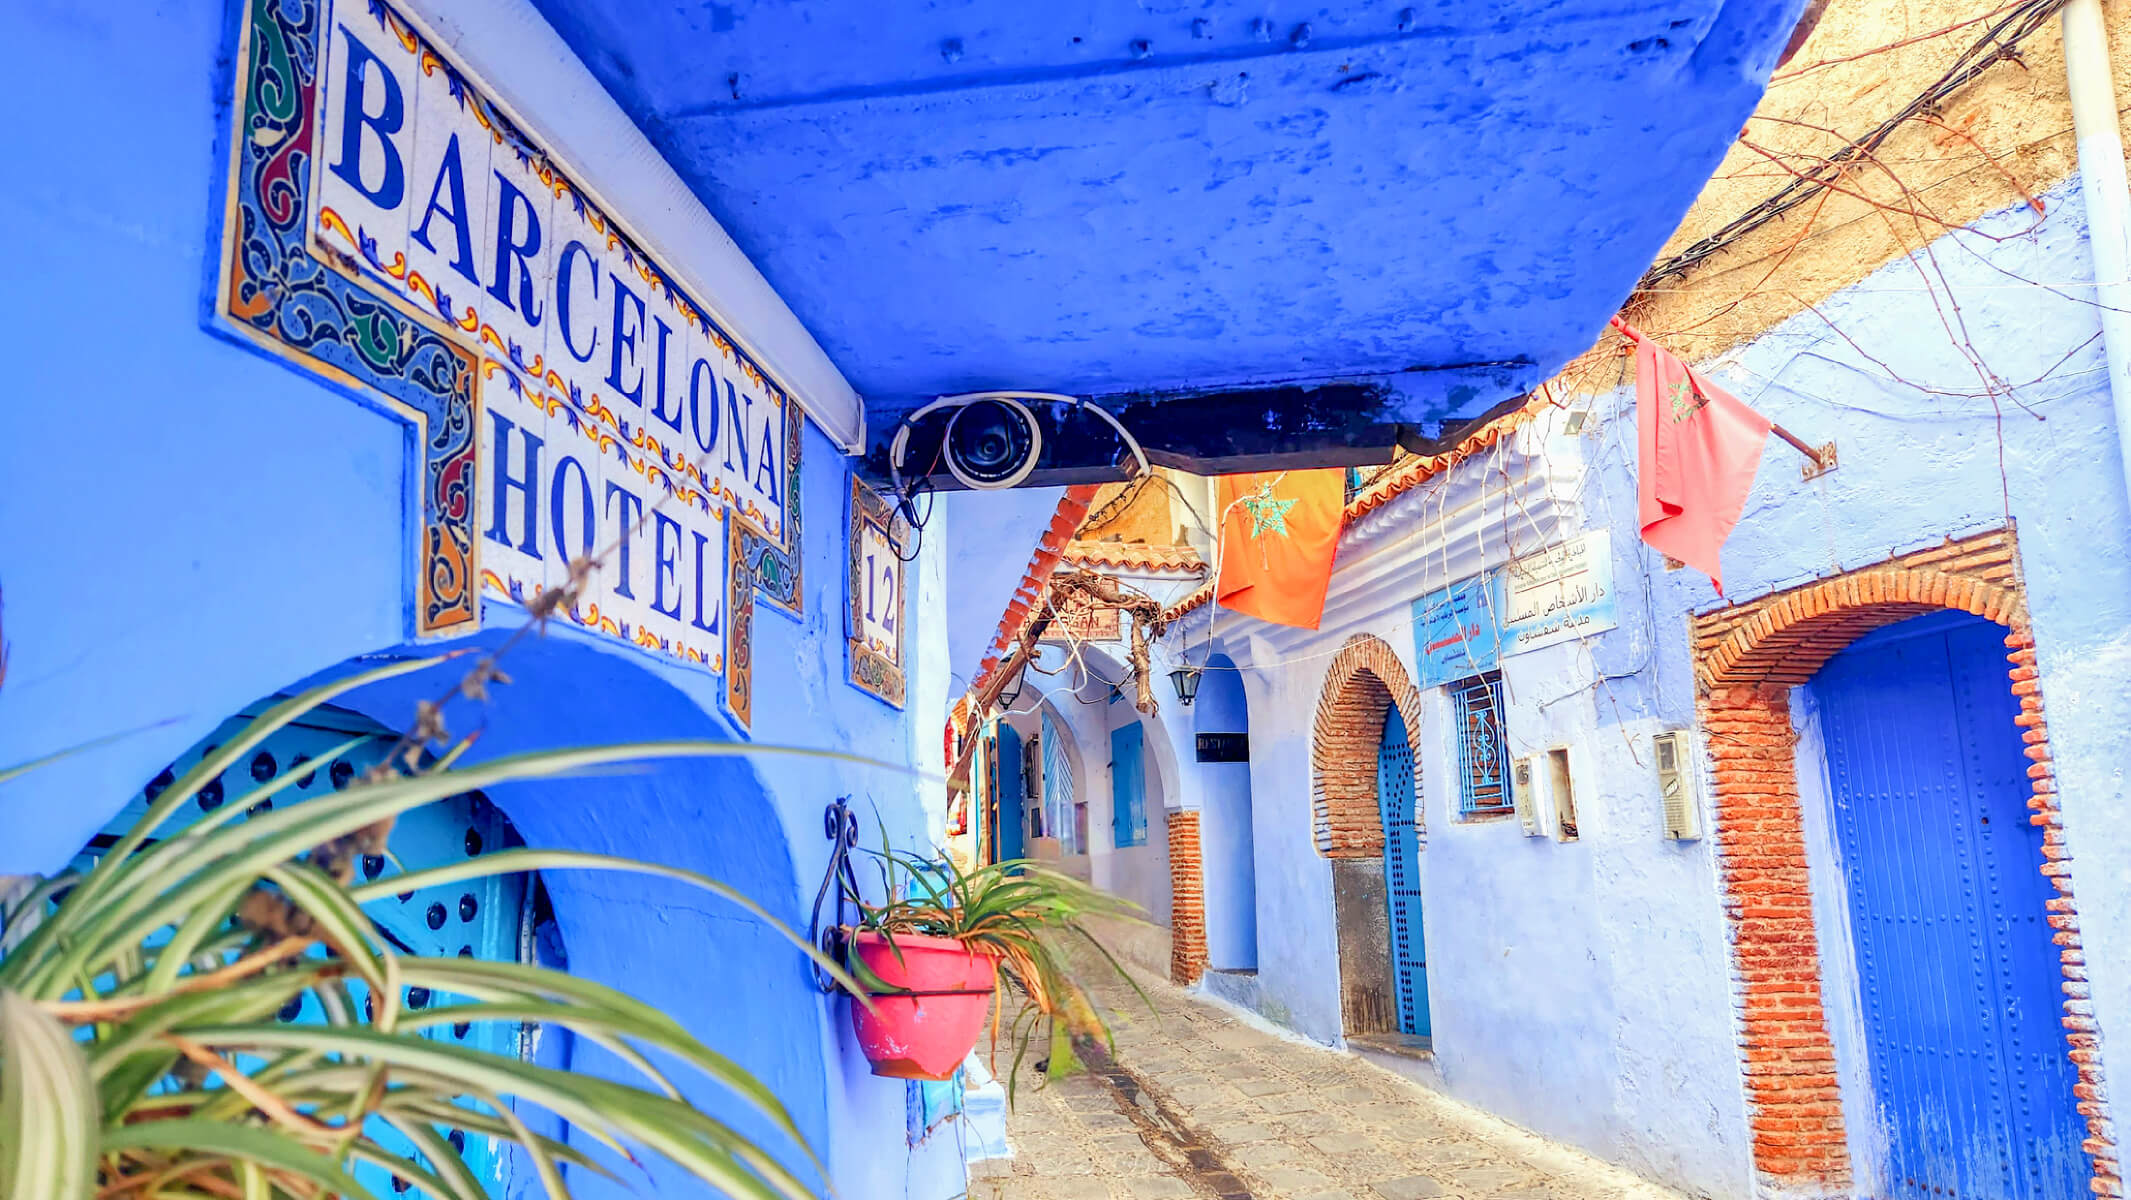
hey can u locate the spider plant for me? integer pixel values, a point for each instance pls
(141, 1057)
(1032, 918)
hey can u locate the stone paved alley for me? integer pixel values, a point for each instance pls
(1204, 1104)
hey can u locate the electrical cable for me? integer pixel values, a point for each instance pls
(1998, 43)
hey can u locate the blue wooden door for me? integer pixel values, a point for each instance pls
(1402, 875)
(1957, 973)
(1062, 812)
(1012, 794)
(1128, 786)
(482, 918)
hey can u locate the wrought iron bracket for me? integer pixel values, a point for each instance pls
(841, 827)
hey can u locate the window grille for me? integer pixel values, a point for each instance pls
(1484, 790)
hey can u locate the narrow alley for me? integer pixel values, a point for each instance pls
(1202, 1103)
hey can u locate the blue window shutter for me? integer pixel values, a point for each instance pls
(1011, 805)
(1128, 786)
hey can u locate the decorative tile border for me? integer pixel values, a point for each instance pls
(345, 315)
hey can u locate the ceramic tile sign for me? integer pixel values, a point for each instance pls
(390, 227)
(1077, 618)
(1456, 631)
(880, 542)
(1559, 594)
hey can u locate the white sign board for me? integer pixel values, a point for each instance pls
(1558, 594)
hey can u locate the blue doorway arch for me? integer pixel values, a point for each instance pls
(1397, 803)
(1957, 973)
(1227, 839)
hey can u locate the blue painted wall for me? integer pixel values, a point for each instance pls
(1583, 990)
(1919, 466)
(186, 526)
(1226, 847)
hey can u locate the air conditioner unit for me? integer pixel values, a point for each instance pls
(1524, 797)
(1675, 782)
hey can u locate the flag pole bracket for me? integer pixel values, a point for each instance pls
(1819, 460)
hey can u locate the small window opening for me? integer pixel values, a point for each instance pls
(1557, 766)
(1484, 786)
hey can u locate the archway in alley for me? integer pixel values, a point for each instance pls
(1220, 720)
(1967, 1072)
(1378, 941)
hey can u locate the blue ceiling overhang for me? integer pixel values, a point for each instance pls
(1433, 205)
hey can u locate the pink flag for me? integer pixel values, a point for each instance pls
(1699, 449)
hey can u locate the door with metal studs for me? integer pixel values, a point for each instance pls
(1396, 803)
(487, 918)
(1957, 973)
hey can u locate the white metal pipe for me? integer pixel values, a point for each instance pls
(2108, 198)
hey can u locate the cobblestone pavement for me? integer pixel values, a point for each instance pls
(1201, 1103)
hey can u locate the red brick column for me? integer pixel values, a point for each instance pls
(1365, 680)
(2078, 1019)
(1747, 656)
(1187, 900)
(1794, 1108)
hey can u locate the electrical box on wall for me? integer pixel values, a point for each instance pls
(1524, 797)
(1675, 781)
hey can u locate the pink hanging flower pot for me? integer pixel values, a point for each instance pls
(928, 1015)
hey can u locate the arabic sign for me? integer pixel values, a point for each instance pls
(1454, 631)
(1558, 594)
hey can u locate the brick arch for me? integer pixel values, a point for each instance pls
(1365, 680)
(1787, 641)
(1747, 658)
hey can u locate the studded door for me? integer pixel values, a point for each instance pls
(1396, 803)
(1957, 974)
(485, 918)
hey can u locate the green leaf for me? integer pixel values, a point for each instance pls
(529, 860)
(242, 1143)
(48, 1110)
(694, 1140)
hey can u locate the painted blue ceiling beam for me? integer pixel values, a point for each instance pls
(1441, 201)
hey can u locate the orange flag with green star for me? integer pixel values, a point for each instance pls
(1279, 534)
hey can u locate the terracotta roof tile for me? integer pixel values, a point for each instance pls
(1072, 508)
(1132, 556)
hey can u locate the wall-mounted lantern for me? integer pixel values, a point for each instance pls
(1012, 691)
(1186, 680)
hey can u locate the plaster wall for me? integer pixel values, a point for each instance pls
(1138, 873)
(1926, 454)
(1085, 717)
(1226, 846)
(1578, 989)
(237, 527)
(1584, 989)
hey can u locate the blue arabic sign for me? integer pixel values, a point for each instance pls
(1556, 595)
(1454, 634)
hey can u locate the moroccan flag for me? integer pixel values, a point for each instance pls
(1279, 532)
(1699, 448)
